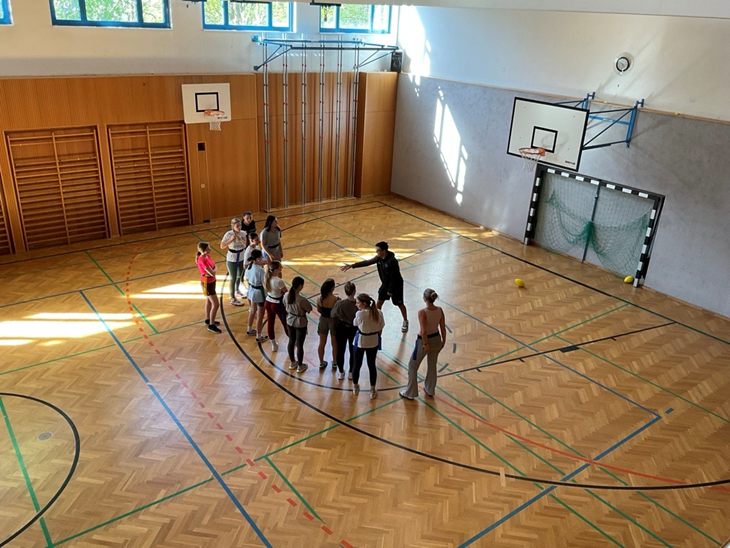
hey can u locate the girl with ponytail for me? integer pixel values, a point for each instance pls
(369, 322)
(256, 294)
(431, 339)
(275, 289)
(207, 269)
(297, 308)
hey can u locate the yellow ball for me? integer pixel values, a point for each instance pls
(628, 279)
(519, 283)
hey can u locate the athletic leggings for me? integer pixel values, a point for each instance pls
(235, 275)
(371, 353)
(345, 336)
(274, 310)
(297, 336)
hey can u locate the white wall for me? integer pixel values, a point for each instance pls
(681, 65)
(34, 47)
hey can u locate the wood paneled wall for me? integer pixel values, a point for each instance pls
(226, 169)
(376, 130)
(227, 166)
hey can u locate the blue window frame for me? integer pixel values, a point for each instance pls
(241, 15)
(111, 13)
(5, 12)
(355, 18)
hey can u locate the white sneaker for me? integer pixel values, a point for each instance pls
(340, 375)
(349, 375)
(356, 389)
(373, 393)
(274, 346)
(293, 365)
(404, 328)
(302, 368)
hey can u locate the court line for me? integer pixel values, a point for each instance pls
(24, 471)
(294, 489)
(604, 470)
(550, 489)
(563, 276)
(182, 429)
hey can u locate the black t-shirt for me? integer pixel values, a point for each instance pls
(248, 229)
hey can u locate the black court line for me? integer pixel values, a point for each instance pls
(72, 469)
(563, 276)
(442, 460)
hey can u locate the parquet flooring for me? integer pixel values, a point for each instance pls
(194, 439)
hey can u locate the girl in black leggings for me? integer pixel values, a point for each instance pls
(297, 308)
(369, 322)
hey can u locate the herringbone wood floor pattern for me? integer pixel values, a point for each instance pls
(187, 440)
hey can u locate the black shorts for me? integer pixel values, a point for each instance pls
(208, 288)
(397, 294)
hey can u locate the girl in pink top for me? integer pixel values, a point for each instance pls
(207, 269)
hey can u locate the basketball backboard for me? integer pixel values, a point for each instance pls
(558, 129)
(198, 98)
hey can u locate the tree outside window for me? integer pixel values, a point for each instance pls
(224, 15)
(121, 13)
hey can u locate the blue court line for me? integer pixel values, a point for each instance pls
(526, 345)
(669, 410)
(550, 489)
(185, 433)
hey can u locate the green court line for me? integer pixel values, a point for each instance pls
(24, 470)
(649, 382)
(212, 246)
(121, 291)
(608, 472)
(230, 471)
(59, 267)
(520, 472)
(294, 490)
(56, 359)
(131, 512)
(580, 323)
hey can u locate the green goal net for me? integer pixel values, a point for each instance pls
(592, 223)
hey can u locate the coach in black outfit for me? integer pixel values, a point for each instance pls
(390, 279)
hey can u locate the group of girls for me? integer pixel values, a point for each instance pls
(354, 324)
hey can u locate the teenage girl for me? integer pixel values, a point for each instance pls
(256, 294)
(297, 308)
(235, 241)
(271, 239)
(369, 322)
(207, 269)
(327, 323)
(249, 225)
(275, 289)
(428, 344)
(345, 311)
(253, 243)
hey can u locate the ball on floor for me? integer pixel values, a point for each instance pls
(519, 283)
(628, 279)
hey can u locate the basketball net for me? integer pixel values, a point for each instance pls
(214, 118)
(531, 156)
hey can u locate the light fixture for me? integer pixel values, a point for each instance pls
(623, 63)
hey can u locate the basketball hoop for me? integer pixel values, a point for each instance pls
(531, 156)
(214, 118)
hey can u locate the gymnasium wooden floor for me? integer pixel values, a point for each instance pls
(573, 412)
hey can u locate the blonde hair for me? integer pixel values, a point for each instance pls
(368, 301)
(430, 295)
(273, 267)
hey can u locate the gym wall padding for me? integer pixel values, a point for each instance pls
(682, 158)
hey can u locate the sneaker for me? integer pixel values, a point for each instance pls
(214, 329)
(373, 393)
(323, 365)
(356, 389)
(402, 394)
(404, 327)
(262, 338)
(349, 375)
(340, 375)
(334, 365)
(293, 365)
(302, 368)
(236, 302)
(216, 322)
(250, 331)
(274, 346)
(429, 395)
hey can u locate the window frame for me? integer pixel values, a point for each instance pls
(6, 19)
(85, 22)
(371, 18)
(227, 26)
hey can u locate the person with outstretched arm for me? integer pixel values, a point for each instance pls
(391, 288)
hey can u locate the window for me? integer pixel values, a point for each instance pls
(360, 18)
(224, 14)
(111, 13)
(5, 12)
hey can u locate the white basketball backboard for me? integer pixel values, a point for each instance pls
(559, 129)
(197, 98)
